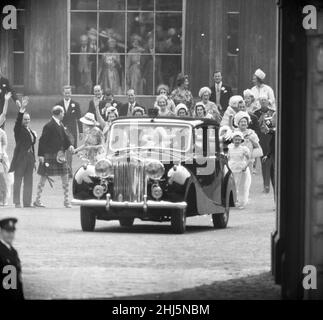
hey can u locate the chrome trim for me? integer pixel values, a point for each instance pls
(125, 204)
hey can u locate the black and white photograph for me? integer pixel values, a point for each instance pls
(161, 150)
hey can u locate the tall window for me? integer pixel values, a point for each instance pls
(123, 44)
(19, 47)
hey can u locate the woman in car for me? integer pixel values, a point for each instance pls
(163, 111)
(210, 107)
(181, 110)
(163, 90)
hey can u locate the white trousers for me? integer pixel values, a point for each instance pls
(243, 183)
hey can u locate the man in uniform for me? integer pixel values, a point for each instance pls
(10, 268)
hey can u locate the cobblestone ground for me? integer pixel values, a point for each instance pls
(146, 261)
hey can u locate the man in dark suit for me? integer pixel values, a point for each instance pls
(71, 121)
(97, 99)
(53, 144)
(4, 88)
(220, 93)
(11, 287)
(23, 161)
(126, 109)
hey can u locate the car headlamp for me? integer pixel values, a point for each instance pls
(98, 191)
(154, 169)
(103, 168)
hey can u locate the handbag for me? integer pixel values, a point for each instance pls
(257, 153)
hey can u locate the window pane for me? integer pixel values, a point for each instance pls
(169, 5)
(140, 26)
(18, 34)
(111, 72)
(112, 4)
(83, 32)
(83, 4)
(112, 32)
(83, 73)
(168, 33)
(233, 33)
(170, 67)
(139, 5)
(18, 65)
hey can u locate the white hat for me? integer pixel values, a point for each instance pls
(260, 74)
(240, 115)
(138, 108)
(89, 119)
(203, 90)
(112, 109)
(235, 100)
(248, 92)
(237, 134)
(179, 107)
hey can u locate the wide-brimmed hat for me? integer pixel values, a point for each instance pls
(240, 115)
(235, 100)
(248, 92)
(89, 119)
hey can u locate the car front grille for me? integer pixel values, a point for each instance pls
(130, 181)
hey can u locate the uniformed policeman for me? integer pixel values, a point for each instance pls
(10, 267)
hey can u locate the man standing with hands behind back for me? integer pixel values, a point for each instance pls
(220, 93)
(71, 120)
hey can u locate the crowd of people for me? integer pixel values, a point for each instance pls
(247, 132)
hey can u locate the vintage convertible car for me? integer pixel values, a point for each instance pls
(157, 169)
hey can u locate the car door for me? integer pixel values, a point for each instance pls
(208, 162)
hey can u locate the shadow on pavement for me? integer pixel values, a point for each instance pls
(257, 287)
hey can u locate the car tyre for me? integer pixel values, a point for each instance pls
(88, 219)
(178, 221)
(126, 222)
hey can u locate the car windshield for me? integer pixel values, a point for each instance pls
(150, 136)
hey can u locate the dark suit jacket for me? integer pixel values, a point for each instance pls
(23, 143)
(53, 139)
(10, 257)
(123, 109)
(226, 94)
(4, 88)
(72, 119)
(92, 106)
(102, 106)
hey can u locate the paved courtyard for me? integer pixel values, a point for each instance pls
(145, 261)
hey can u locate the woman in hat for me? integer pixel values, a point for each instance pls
(250, 101)
(163, 111)
(262, 89)
(93, 141)
(210, 107)
(238, 160)
(231, 111)
(111, 114)
(181, 94)
(138, 111)
(181, 110)
(163, 89)
(200, 111)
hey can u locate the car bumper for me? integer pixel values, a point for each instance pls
(146, 204)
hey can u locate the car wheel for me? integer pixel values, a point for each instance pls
(178, 221)
(88, 218)
(126, 222)
(220, 221)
